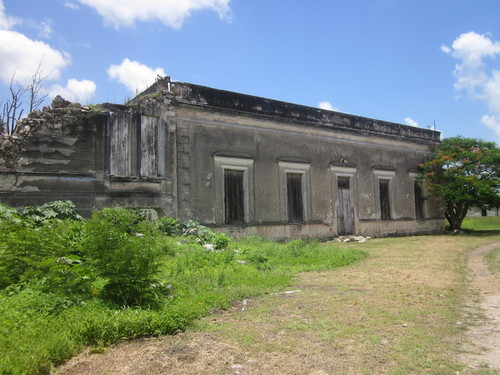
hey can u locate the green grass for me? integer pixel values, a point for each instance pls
(483, 223)
(40, 329)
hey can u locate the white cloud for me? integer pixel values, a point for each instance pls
(411, 122)
(492, 122)
(125, 13)
(134, 75)
(21, 55)
(75, 91)
(446, 49)
(45, 28)
(71, 5)
(492, 91)
(6, 22)
(471, 48)
(327, 105)
(473, 74)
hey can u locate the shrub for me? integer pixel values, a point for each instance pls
(9, 215)
(48, 256)
(195, 229)
(220, 241)
(40, 215)
(204, 235)
(169, 226)
(122, 250)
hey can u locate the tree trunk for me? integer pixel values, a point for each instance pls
(455, 214)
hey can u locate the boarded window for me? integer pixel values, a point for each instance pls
(419, 200)
(385, 203)
(234, 198)
(119, 159)
(133, 145)
(294, 197)
(148, 146)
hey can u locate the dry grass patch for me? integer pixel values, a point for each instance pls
(396, 312)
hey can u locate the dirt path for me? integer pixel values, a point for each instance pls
(392, 313)
(485, 335)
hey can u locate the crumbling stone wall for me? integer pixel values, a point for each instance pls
(55, 153)
(49, 125)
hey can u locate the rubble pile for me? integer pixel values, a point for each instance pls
(360, 239)
(43, 121)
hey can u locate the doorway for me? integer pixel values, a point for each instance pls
(345, 214)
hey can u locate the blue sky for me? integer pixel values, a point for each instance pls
(407, 61)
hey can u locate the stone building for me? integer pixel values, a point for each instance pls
(244, 164)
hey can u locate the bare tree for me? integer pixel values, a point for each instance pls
(35, 86)
(12, 107)
(12, 111)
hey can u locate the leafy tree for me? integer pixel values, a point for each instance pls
(465, 172)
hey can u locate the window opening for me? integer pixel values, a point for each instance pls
(419, 200)
(385, 205)
(234, 196)
(295, 197)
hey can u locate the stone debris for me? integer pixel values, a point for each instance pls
(60, 102)
(288, 292)
(360, 239)
(244, 303)
(209, 247)
(237, 369)
(46, 122)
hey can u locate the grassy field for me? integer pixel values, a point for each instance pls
(69, 284)
(398, 311)
(483, 223)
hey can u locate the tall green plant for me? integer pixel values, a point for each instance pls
(122, 250)
(48, 256)
(40, 215)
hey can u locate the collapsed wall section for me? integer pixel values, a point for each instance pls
(96, 156)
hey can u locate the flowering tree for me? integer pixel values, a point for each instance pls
(465, 172)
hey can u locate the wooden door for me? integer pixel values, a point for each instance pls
(345, 215)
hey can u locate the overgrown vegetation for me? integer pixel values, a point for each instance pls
(67, 283)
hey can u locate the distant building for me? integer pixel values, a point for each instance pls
(244, 164)
(475, 211)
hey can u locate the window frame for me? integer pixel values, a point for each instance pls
(295, 205)
(415, 179)
(389, 175)
(285, 168)
(223, 163)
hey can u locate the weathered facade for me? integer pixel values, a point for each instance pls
(245, 164)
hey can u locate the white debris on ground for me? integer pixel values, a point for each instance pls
(360, 239)
(288, 292)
